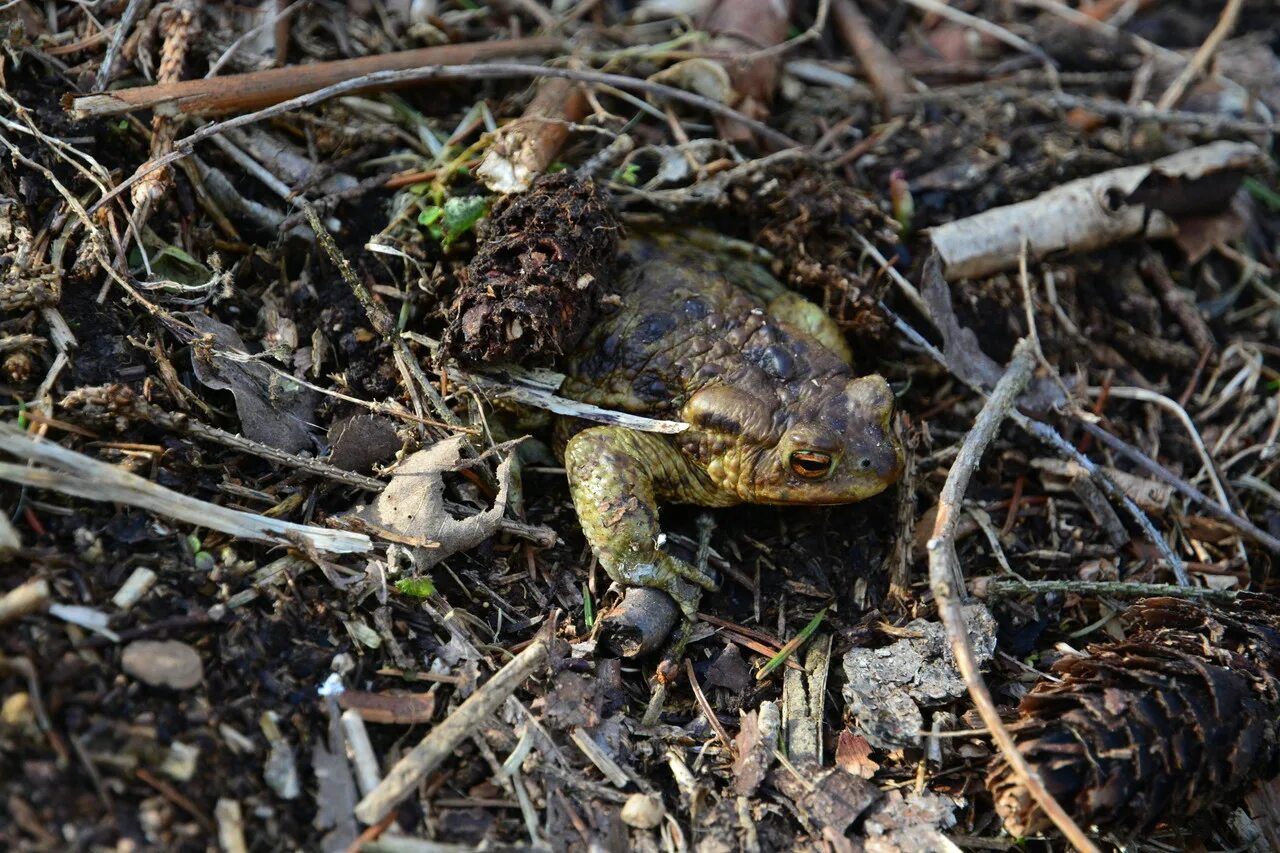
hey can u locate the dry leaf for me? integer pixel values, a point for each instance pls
(755, 744)
(272, 409)
(853, 754)
(412, 505)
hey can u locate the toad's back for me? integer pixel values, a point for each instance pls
(689, 318)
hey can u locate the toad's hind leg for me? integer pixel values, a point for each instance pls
(616, 477)
(795, 311)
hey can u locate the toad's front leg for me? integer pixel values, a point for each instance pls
(616, 477)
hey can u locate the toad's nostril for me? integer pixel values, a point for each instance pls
(865, 463)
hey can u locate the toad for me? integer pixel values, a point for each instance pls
(762, 377)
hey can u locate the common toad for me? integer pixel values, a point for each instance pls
(762, 377)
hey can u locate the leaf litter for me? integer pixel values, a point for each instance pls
(911, 134)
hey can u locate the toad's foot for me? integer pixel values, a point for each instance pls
(678, 579)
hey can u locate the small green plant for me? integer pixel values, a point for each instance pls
(204, 561)
(628, 175)
(458, 215)
(416, 587)
(1262, 193)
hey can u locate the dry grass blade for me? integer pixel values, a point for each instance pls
(78, 475)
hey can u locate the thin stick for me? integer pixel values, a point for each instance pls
(123, 27)
(379, 317)
(1113, 109)
(814, 31)
(234, 92)
(489, 71)
(1206, 503)
(1054, 439)
(707, 710)
(441, 741)
(973, 22)
(1178, 88)
(1004, 588)
(944, 569)
(890, 80)
(1127, 393)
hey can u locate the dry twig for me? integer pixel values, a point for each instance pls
(489, 71)
(946, 581)
(1226, 23)
(891, 81)
(441, 741)
(234, 92)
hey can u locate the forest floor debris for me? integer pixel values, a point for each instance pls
(262, 267)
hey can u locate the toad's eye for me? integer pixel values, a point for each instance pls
(810, 463)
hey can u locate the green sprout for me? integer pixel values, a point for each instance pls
(416, 587)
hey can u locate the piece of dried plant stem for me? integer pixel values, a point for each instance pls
(179, 22)
(890, 80)
(256, 89)
(440, 742)
(1200, 61)
(946, 581)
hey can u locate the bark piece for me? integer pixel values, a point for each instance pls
(886, 686)
(1098, 210)
(640, 622)
(532, 288)
(1182, 714)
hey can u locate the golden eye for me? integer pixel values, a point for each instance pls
(810, 463)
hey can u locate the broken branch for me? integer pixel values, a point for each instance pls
(946, 580)
(441, 741)
(237, 92)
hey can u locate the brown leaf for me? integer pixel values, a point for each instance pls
(755, 743)
(273, 409)
(853, 755)
(412, 505)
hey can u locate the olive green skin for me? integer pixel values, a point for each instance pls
(757, 372)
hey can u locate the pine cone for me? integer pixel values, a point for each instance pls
(1182, 714)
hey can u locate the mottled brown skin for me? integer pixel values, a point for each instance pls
(761, 376)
